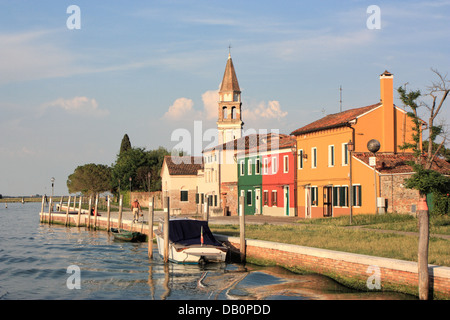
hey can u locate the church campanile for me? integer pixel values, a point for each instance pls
(229, 124)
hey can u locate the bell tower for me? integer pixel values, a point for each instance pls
(229, 124)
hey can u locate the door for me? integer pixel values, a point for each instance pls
(286, 200)
(257, 201)
(307, 202)
(327, 201)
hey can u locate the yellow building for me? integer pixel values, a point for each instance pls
(325, 169)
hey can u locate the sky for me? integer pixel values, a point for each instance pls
(74, 82)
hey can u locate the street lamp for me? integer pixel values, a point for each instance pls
(351, 148)
(130, 190)
(53, 183)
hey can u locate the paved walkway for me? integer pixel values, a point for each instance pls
(253, 219)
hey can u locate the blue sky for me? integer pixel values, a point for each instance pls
(67, 97)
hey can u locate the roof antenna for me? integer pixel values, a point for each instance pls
(340, 100)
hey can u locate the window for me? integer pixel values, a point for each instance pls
(344, 154)
(313, 157)
(184, 195)
(257, 166)
(356, 201)
(300, 159)
(274, 165)
(250, 167)
(233, 113)
(197, 198)
(274, 198)
(266, 166)
(314, 196)
(203, 198)
(249, 197)
(215, 200)
(331, 156)
(286, 164)
(340, 196)
(242, 167)
(224, 113)
(266, 198)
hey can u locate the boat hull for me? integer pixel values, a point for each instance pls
(125, 235)
(192, 254)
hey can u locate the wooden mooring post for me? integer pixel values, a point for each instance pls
(89, 213)
(96, 211)
(243, 252)
(119, 222)
(150, 226)
(79, 211)
(67, 211)
(108, 213)
(50, 205)
(42, 209)
(166, 228)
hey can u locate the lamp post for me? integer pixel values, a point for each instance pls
(373, 146)
(350, 148)
(53, 184)
(130, 190)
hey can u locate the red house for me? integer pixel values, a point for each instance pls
(278, 178)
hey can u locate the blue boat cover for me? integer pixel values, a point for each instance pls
(187, 232)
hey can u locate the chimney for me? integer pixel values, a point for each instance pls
(388, 139)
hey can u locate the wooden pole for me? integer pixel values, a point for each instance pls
(74, 202)
(119, 222)
(242, 228)
(50, 211)
(79, 211)
(95, 212)
(166, 229)
(89, 212)
(108, 209)
(150, 226)
(424, 230)
(42, 209)
(67, 212)
(207, 208)
(60, 203)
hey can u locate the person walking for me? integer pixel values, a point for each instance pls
(136, 207)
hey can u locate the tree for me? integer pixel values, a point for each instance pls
(90, 179)
(424, 179)
(125, 145)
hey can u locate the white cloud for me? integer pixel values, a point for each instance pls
(210, 99)
(271, 110)
(78, 105)
(181, 109)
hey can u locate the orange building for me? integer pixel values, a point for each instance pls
(327, 168)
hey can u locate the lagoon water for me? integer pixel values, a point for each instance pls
(36, 262)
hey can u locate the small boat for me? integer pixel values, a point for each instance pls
(190, 242)
(126, 235)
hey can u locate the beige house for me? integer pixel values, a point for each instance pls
(179, 177)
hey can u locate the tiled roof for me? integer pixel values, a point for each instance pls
(184, 165)
(273, 142)
(398, 163)
(334, 120)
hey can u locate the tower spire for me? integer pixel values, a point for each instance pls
(229, 123)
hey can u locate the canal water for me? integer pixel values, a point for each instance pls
(42, 262)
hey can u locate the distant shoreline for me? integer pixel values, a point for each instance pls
(26, 199)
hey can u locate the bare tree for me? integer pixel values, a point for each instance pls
(438, 91)
(424, 179)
